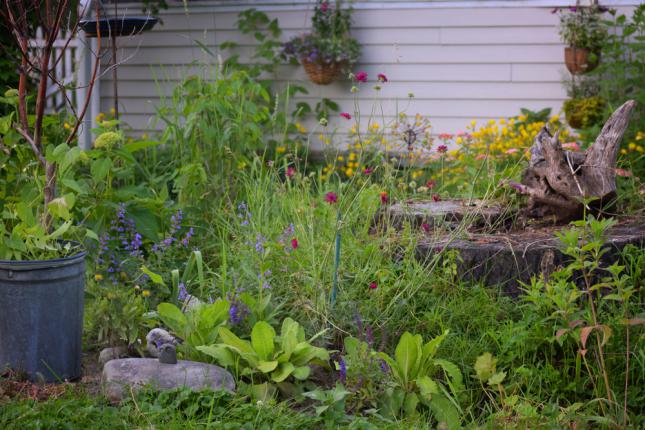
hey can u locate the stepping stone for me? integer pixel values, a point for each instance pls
(119, 375)
(479, 214)
(507, 259)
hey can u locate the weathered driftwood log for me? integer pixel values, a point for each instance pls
(559, 181)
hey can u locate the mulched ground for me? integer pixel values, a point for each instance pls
(14, 386)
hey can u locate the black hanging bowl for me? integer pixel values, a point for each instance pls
(124, 26)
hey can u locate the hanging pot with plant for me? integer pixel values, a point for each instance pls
(582, 29)
(329, 49)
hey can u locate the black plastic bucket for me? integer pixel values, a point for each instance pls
(41, 317)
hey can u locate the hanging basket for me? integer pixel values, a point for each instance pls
(322, 73)
(122, 26)
(579, 60)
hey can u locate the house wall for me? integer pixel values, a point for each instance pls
(462, 60)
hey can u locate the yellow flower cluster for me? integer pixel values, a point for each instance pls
(504, 138)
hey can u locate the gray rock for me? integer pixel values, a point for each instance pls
(158, 337)
(108, 354)
(121, 375)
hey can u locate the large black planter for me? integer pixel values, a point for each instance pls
(41, 317)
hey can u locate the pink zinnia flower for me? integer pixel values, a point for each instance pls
(426, 227)
(331, 197)
(373, 286)
(361, 76)
(384, 197)
(381, 77)
(291, 171)
(367, 171)
(345, 115)
(442, 148)
(436, 198)
(572, 146)
(294, 243)
(511, 150)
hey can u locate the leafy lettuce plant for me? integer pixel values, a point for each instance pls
(267, 357)
(414, 369)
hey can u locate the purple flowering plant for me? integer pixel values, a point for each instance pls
(329, 41)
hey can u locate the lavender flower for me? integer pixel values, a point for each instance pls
(342, 368)
(183, 293)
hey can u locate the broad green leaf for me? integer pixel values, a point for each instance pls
(60, 206)
(485, 366)
(430, 349)
(497, 378)
(155, 278)
(410, 404)
(262, 337)
(445, 412)
(267, 366)
(304, 353)
(100, 168)
(212, 315)
(427, 387)
(407, 354)
(139, 145)
(455, 379)
(289, 336)
(262, 392)
(232, 340)
(301, 373)
(172, 317)
(222, 355)
(282, 372)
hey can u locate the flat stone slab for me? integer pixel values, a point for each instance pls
(509, 259)
(119, 375)
(449, 213)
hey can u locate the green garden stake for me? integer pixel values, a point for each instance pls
(334, 288)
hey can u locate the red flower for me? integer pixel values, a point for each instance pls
(445, 136)
(426, 227)
(373, 286)
(324, 7)
(430, 184)
(345, 115)
(294, 243)
(291, 171)
(367, 171)
(442, 148)
(361, 76)
(384, 197)
(436, 198)
(331, 197)
(381, 77)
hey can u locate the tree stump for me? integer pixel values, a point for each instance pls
(560, 183)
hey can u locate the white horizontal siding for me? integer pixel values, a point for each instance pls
(460, 63)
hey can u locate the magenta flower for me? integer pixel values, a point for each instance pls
(426, 227)
(381, 77)
(430, 184)
(368, 171)
(373, 286)
(291, 171)
(436, 198)
(294, 243)
(384, 197)
(345, 115)
(442, 148)
(331, 197)
(361, 76)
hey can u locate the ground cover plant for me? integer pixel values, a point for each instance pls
(223, 232)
